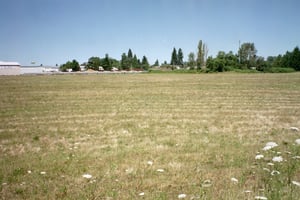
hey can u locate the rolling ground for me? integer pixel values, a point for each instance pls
(149, 136)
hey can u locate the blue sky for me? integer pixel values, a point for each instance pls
(54, 31)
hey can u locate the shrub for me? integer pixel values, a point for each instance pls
(279, 70)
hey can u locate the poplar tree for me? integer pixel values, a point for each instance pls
(180, 57)
(200, 55)
(191, 60)
(247, 54)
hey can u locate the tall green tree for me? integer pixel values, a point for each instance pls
(191, 60)
(295, 62)
(286, 59)
(231, 59)
(247, 54)
(94, 63)
(180, 57)
(174, 57)
(202, 51)
(135, 63)
(130, 59)
(215, 64)
(115, 63)
(277, 61)
(261, 64)
(125, 62)
(129, 54)
(106, 64)
(75, 65)
(156, 63)
(221, 55)
(145, 63)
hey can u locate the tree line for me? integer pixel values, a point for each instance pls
(193, 61)
(128, 61)
(246, 58)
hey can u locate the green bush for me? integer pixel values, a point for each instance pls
(280, 70)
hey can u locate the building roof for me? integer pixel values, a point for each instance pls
(9, 63)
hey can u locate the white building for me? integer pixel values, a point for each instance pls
(10, 68)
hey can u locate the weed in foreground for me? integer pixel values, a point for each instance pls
(278, 170)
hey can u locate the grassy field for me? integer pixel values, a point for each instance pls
(149, 136)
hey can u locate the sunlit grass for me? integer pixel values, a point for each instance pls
(148, 136)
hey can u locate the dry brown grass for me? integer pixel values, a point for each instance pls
(194, 127)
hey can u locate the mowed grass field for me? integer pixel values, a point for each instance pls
(149, 136)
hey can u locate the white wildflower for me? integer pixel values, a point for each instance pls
(270, 145)
(160, 170)
(87, 176)
(266, 169)
(296, 183)
(270, 164)
(294, 128)
(266, 148)
(261, 197)
(150, 162)
(43, 173)
(142, 194)
(247, 191)
(234, 180)
(277, 159)
(181, 196)
(259, 156)
(29, 171)
(297, 141)
(296, 157)
(275, 172)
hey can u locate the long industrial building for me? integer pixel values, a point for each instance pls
(10, 68)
